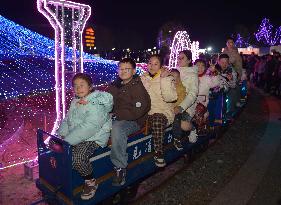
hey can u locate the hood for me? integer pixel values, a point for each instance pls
(101, 98)
(192, 69)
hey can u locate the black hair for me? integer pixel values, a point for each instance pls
(200, 61)
(223, 55)
(159, 57)
(128, 60)
(230, 38)
(83, 76)
(188, 54)
(175, 71)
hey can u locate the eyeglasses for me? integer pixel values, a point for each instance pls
(124, 69)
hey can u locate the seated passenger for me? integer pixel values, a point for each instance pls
(229, 82)
(131, 105)
(235, 59)
(161, 88)
(206, 83)
(86, 127)
(185, 108)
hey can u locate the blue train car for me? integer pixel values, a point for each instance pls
(60, 183)
(57, 179)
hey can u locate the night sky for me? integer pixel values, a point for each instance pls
(208, 22)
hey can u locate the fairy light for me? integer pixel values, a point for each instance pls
(15, 164)
(195, 50)
(27, 80)
(265, 35)
(182, 42)
(43, 7)
(29, 75)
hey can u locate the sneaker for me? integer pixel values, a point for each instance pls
(238, 104)
(192, 136)
(159, 160)
(177, 144)
(119, 178)
(89, 189)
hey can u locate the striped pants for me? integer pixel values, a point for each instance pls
(157, 124)
(80, 157)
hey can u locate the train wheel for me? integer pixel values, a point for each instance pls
(204, 146)
(126, 195)
(117, 198)
(132, 191)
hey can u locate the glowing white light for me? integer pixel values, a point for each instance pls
(182, 42)
(57, 22)
(209, 48)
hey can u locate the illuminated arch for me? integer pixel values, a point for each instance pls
(56, 13)
(182, 42)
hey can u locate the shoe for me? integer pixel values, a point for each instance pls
(177, 144)
(238, 104)
(192, 136)
(159, 160)
(89, 189)
(119, 178)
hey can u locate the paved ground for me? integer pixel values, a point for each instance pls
(209, 177)
(242, 187)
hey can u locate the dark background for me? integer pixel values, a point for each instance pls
(135, 24)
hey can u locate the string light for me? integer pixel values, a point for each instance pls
(240, 42)
(56, 18)
(182, 42)
(27, 83)
(265, 35)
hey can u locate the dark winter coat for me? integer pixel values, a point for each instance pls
(131, 100)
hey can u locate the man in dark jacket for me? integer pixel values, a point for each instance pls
(131, 105)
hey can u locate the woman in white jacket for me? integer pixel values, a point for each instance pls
(185, 110)
(160, 86)
(206, 82)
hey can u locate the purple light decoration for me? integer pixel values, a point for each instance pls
(240, 42)
(195, 50)
(182, 42)
(52, 16)
(265, 33)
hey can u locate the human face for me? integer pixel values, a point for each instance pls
(126, 72)
(81, 88)
(230, 43)
(183, 61)
(224, 63)
(176, 76)
(201, 68)
(153, 65)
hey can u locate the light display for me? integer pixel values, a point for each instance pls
(240, 42)
(27, 85)
(90, 38)
(265, 33)
(54, 11)
(195, 50)
(27, 62)
(182, 42)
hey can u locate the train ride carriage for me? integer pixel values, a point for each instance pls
(60, 184)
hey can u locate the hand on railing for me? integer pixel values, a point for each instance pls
(55, 145)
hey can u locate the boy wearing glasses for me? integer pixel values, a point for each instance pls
(131, 105)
